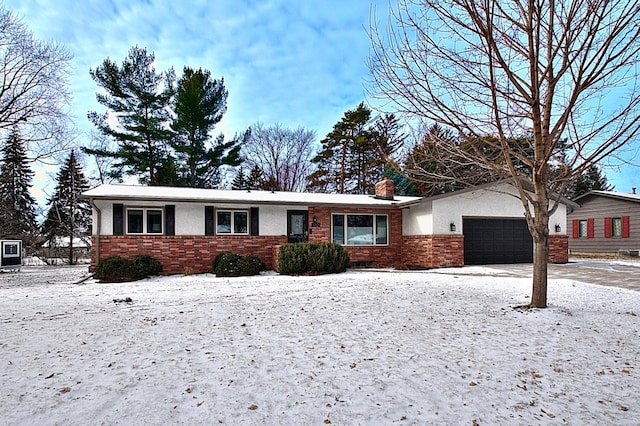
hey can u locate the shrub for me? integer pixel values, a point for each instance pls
(312, 258)
(218, 259)
(146, 265)
(119, 269)
(233, 265)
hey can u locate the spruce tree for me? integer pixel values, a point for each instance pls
(68, 215)
(17, 205)
(591, 179)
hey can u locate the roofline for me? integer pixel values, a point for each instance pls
(389, 203)
(528, 186)
(610, 194)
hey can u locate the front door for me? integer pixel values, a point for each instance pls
(297, 226)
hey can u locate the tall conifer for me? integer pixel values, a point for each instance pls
(69, 216)
(17, 205)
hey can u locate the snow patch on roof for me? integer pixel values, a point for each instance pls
(166, 193)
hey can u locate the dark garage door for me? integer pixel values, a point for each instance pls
(488, 241)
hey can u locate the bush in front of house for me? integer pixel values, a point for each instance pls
(119, 269)
(312, 258)
(146, 265)
(233, 265)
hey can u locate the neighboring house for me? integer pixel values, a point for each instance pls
(187, 227)
(605, 222)
(58, 247)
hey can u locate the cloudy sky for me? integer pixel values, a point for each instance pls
(298, 63)
(295, 62)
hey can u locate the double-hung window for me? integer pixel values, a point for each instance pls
(359, 229)
(232, 222)
(582, 233)
(144, 221)
(616, 227)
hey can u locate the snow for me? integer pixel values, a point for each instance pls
(174, 194)
(364, 347)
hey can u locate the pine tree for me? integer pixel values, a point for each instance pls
(139, 98)
(17, 205)
(68, 216)
(199, 105)
(240, 180)
(255, 180)
(344, 164)
(591, 179)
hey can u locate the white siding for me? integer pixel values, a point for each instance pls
(418, 219)
(190, 216)
(435, 216)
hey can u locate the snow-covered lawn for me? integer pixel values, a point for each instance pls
(359, 348)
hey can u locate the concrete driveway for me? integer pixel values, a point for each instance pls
(623, 273)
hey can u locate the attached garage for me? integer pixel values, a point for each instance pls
(496, 240)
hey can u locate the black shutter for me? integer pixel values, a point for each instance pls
(208, 220)
(118, 219)
(254, 225)
(170, 220)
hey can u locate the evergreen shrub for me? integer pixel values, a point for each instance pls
(312, 258)
(119, 269)
(233, 265)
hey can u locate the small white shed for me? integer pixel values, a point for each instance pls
(11, 255)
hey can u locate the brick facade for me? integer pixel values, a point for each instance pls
(558, 248)
(193, 253)
(376, 256)
(432, 251)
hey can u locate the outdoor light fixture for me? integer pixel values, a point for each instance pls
(315, 219)
(452, 227)
(558, 228)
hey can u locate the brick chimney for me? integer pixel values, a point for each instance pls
(385, 189)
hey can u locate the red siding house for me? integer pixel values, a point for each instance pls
(605, 222)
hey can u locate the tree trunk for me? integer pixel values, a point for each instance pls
(539, 291)
(540, 235)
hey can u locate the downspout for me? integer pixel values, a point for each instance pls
(97, 231)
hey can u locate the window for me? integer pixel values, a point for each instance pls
(616, 227)
(359, 229)
(231, 222)
(10, 249)
(583, 229)
(144, 221)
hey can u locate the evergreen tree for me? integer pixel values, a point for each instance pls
(591, 179)
(255, 180)
(17, 205)
(199, 105)
(346, 163)
(240, 180)
(139, 98)
(68, 215)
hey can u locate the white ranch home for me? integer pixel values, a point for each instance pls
(185, 228)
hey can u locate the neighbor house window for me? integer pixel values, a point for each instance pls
(359, 229)
(616, 226)
(231, 222)
(144, 221)
(583, 229)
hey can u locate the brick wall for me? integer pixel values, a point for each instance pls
(376, 256)
(432, 251)
(179, 252)
(558, 248)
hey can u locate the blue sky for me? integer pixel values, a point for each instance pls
(296, 62)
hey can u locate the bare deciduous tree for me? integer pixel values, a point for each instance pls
(33, 88)
(562, 72)
(284, 155)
